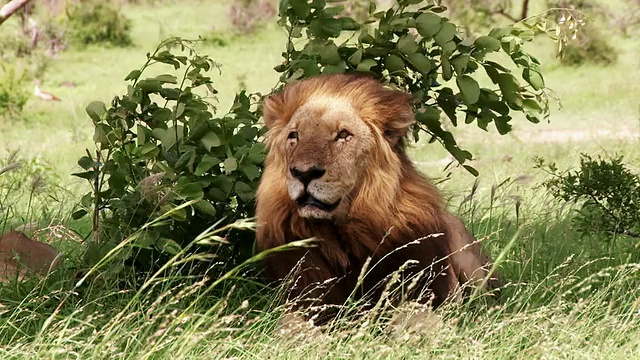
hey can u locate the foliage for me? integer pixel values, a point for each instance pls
(423, 53)
(97, 22)
(28, 191)
(609, 194)
(247, 14)
(590, 46)
(13, 95)
(160, 150)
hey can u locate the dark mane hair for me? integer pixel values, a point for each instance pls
(397, 215)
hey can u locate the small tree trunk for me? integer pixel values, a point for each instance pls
(525, 9)
(10, 8)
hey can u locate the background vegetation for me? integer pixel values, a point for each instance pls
(571, 293)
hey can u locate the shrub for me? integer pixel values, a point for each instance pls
(161, 151)
(28, 192)
(247, 14)
(13, 95)
(589, 47)
(606, 190)
(420, 52)
(97, 22)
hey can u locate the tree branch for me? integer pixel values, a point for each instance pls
(507, 15)
(525, 10)
(10, 8)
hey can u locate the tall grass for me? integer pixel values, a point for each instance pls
(567, 295)
(564, 298)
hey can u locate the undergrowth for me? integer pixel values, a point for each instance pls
(563, 298)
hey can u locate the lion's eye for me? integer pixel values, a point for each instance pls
(343, 134)
(293, 135)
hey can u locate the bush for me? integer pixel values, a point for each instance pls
(28, 192)
(163, 155)
(97, 22)
(13, 95)
(247, 14)
(606, 190)
(422, 53)
(589, 47)
(161, 152)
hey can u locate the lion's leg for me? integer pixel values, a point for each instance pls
(313, 290)
(470, 262)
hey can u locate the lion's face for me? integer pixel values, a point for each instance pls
(332, 145)
(326, 148)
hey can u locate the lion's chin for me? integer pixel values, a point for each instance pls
(311, 208)
(312, 212)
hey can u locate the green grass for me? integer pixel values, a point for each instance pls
(568, 295)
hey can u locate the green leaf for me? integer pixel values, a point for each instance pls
(420, 62)
(168, 246)
(147, 148)
(168, 137)
(167, 78)
(179, 110)
(134, 75)
(244, 191)
(469, 88)
(206, 164)
(329, 54)
(190, 191)
(146, 239)
(534, 78)
(447, 73)
(256, 153)
(205, 207)
(366, 65)
(79, 214)
(356, 57)
(509, 44)
(446, 34)
(460, 63)
(230, 165)
(407, 44)
(141, 133)
(210, 140)
(349, 24)
(85, 162)
(100, 133)
(428, 24)
(251, 171)
(531, 104)
(488, 43)
(509, 87)
(394, 63)
(471, 170)
(150, 85)
(162, 115)
(96, 111)
(88, 175)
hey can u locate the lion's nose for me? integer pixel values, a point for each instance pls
(305, 176)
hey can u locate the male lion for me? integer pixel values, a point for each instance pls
(337, 171)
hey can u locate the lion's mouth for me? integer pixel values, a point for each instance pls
(308, 200)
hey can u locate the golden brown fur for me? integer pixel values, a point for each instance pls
(337, 171)
(20, 255)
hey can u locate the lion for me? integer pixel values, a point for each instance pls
(337, 170)
(21, 255)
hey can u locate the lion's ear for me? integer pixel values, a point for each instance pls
(398, 116)
(273, 108)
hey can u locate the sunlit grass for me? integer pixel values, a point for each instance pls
(568, 295)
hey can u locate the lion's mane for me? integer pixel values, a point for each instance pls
(392, 215)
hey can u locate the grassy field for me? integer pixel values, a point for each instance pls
(568, 295)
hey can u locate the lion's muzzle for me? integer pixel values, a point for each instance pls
(307, 189)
